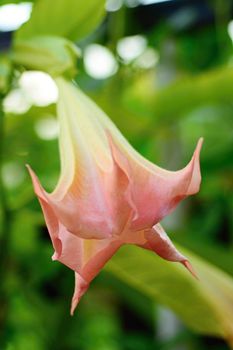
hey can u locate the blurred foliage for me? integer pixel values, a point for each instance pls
(211, 295)
(5, 74)
(162, 110)
(54, 55)
(71, 19)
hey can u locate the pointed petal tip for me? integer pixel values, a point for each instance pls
(81, 286)
(74, 304)
(34, 179)
(196, 154)
(199, 144)
(201, 140)
(54, 257)
(190, 268)
(195, 171)
(29, 169)
(38, 189)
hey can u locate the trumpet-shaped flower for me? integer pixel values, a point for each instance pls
(108, 195)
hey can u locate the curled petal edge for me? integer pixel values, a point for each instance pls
(160, 243)
(154, 192)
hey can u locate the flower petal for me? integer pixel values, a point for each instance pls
(161, 244)
(80, 198)
(80, 288)
(85, 256)
(78, 214)
(91, 190)
(50, 217)
(158, 241)
(94, 255)
(154, 191)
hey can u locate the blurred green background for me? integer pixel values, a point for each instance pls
(163, 72)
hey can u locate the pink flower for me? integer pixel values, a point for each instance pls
(108, 195)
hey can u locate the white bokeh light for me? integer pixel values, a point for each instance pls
(39, 88)
(13, 174)
(149, 2)
(35, 88)
(16, 102)
(132, 3)
(47, 128)
(131, 47)
(230, 30)
(147, 59)
(99, 62)
(113, 5)
(12, 16)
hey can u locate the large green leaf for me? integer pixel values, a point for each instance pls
(72, 19)
(205, 305)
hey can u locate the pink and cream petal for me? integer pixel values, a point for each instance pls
(83, 214)
(156, 192)
(158, 241)
(49, 215)
(93, 215)
(86, 258)
(108, 194)
(80, 198)
(80, 288)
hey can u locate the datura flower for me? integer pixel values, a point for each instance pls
(108, 195)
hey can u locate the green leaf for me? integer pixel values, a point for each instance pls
(53, 55)
(205, 305)
(72, 19)
(189, 93)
